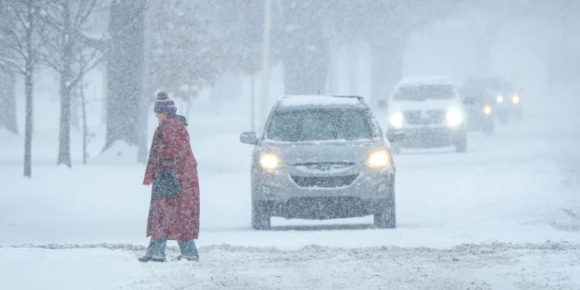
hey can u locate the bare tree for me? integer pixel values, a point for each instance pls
(126, 120)
(20, 31)
(71, 53)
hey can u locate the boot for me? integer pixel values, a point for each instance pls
(191, 259)
(146, 258)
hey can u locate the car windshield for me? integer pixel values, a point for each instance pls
(424, 92)
(320, 125)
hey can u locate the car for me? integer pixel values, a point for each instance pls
(321, 157)
(508, 101)
(429, 112)
(479, 105)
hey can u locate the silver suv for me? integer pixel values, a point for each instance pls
(321, 157)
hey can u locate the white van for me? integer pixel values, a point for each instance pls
(429, 112)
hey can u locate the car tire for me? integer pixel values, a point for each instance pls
(461, 145)
(260, 215)
(387, 217)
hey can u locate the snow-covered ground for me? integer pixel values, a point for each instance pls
(506, 214)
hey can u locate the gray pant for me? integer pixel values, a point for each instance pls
(156, 249)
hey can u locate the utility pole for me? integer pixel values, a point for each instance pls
(266, 60)
(252, 102)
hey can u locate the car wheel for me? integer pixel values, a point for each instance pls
(260, 215)
(387, 217)
(461, 145)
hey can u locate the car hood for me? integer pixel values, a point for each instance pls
(322, 152)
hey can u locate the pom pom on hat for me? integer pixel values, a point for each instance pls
(164, 104)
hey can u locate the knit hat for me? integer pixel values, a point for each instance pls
(163, 104)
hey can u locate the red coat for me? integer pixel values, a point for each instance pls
(173, 218)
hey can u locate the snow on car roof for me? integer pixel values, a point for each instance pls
(319, 100)
(423, 80)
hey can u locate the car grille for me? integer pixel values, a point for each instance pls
(430, 117)
(324, 166)
(326, 181)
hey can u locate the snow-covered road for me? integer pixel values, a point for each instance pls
(506, 214)
(467, 266)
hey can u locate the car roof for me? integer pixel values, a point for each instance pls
(425, 80)
(308, 101)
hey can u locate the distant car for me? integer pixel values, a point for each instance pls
(321, 157)
(508, 99)
(509, 104)
(430, 113)
(479, 105)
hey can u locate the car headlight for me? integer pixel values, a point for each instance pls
(396, 120)
(499, 99)
(516, 99)
(487, 110)
(379, 159)
(454, 117)
(270, 161)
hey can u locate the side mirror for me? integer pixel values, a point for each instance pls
(249, 138)
(394, 136)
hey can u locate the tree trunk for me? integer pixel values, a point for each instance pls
(332, 74)
(8, 101)
(64, 132)
(125, 70)
(306, 68)
(387, 68)
(352, 62)
(84, 119)
(75, 108)
(65, 93)
(305, 50)
(28, 89)
(142, 148)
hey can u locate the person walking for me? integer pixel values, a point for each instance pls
(172, 172)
